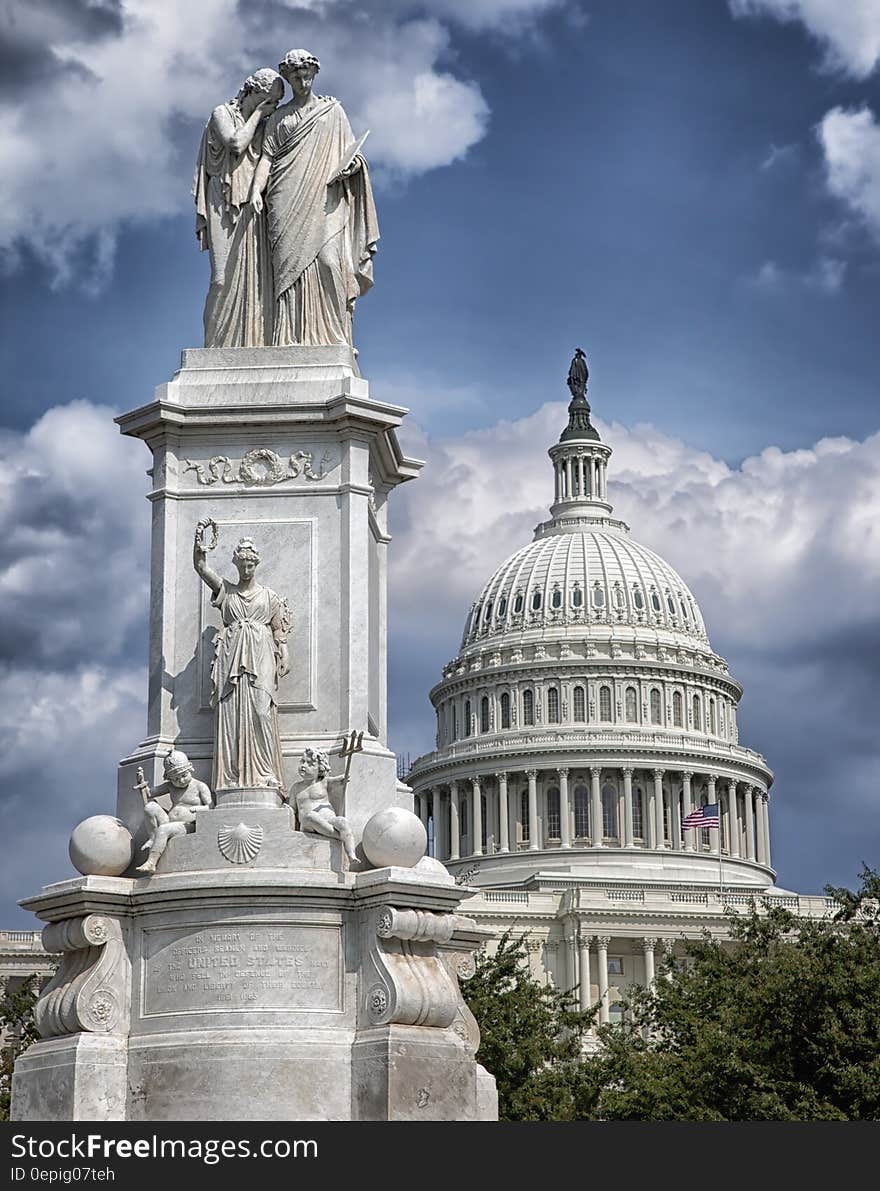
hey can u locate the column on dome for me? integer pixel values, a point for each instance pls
(659, 831)
(423, 809)
(571, 956)
(765, 822)
(584, 979)
(428, 809)
(596, 822)
(476, 818)
(713, 799)
(648, 946)
(454, 838)
(582, 476)
(749, 808)
(503, 809)
(557, 476)
(564, 816)
(732, 819)
(687, 798)
(440, 841)
(602, 944)
(628, 836)
(569, 486)
(532, 775)
(675, 816)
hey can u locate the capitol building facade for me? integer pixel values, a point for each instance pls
(584, 718)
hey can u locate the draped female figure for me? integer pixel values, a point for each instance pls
(250, 656)
(239, 308)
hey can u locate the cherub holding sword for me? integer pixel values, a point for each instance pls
(313, 806)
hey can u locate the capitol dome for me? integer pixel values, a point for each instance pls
(586, 715)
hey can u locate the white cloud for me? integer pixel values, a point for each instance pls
(848, 30)
(850, 140)
(100, 125)
(826, 275)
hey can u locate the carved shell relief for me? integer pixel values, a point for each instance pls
(240, 844)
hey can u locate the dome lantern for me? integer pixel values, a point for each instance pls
(580, 458)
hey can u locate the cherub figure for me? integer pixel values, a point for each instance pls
(186, 792)
(313, 806)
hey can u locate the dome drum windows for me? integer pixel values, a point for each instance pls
(536, 600)
(528, 708)
(467, 717)
(554, 821)
(484, 714)
(553, 705)
(556, 598)
(677, 718)
(598, 597)
(581, 812)
(605, 716)
(580, 705)
(505, 710)
(656, 706)
(518, 603)
(577, 596)
(631, 705)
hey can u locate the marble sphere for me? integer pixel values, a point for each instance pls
(101, 847)
(394, 837)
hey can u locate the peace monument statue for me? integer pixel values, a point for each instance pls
(284, 201)
(286, 950)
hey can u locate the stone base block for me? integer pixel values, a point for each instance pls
(398, 1074)
(272, 836)
(241, 1075)
(80, 1077)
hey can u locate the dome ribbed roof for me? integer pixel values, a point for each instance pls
(590, 576)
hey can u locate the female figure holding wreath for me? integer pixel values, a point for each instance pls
(250, 656)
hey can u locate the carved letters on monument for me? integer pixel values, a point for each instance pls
(228, 967)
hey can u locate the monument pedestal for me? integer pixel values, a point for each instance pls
(259, 973)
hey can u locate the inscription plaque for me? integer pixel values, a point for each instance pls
(216, 969)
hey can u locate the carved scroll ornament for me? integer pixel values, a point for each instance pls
(90, 990)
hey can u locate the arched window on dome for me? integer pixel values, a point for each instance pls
(577, 596)
(683, 606)
(609, 812)
(524, 816)
(505, 710)
(619, 597)
(502, 607)
(656, 707)
(638, 816)
(528, 702)
(695, 712)
(553, 817)
(580, 705)
(487, 615)
(581, 812)
(655, 601)
(670, 604)
(454, 722)
(536, 600)
(638, 599)
(556, 598)
(598, 596)
(631, 705)
(553, 705)
(518, 602)
(605, 704)
(467, 717)
(713, 720)
(484, 714)
(677, 710)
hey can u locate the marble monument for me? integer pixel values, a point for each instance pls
(285, 951)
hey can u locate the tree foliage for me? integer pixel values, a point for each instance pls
(531, 1035)
(782, 1024)
(17, 1018)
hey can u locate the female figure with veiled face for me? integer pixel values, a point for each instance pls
(239, 307)
(250, 657)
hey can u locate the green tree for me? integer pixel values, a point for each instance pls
(781, 1026)
(17, 1018)
(531, 1035)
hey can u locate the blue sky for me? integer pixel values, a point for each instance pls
(689, 190)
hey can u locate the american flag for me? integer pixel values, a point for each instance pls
(703, 816)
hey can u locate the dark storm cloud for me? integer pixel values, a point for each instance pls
(30, 28)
